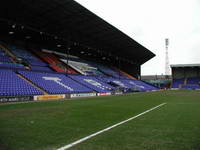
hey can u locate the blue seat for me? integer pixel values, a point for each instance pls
(55, 83)
(12, 85)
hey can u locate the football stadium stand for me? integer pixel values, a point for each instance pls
(59, 56)
(37, 77)
(186, 83)
(186, 76)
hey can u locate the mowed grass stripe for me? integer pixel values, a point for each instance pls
(172, 127)
(108, 128)
(50, 125)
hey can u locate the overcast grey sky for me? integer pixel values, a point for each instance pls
(149, 22)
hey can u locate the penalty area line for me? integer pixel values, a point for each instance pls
(108, 128)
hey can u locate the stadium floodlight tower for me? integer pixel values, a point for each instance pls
(167, 68)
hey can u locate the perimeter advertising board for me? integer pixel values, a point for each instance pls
(49, 97)
(103, 94)
(15, 99)
(82, 95)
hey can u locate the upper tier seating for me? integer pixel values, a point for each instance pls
(55, 63)
(93, 83)
(2, 53)
(4, 57)
(81, 66)
(12, 85)
(21, 53)
(11, 66)
(84, 67)
(55, 83)
(36, 62)
(89, 68)
(27, 56)
(42, 69)
(111, 72)
(5, 62)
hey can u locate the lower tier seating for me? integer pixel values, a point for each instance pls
(12, 85)
(93, 83)
(193, 80)
(187, 83)
(55, 83)
(140, 85)
(129, 84)
(117, 82)
(177, 83)
(192, 86)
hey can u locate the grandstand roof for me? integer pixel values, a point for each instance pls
(184, 65)
(61, 18)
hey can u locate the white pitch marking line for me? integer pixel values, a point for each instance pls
(106, 129)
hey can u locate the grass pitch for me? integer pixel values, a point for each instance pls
(50, 125)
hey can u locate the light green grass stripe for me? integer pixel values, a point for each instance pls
(106, 129)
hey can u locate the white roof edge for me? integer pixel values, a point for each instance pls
(184, 65)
